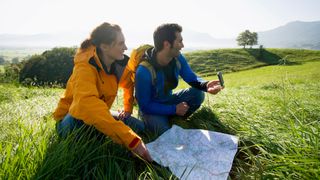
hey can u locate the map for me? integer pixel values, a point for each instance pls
(195, 153)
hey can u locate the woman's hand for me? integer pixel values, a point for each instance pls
(142, 151)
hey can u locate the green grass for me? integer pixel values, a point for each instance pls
(274, 110)
(1, 69)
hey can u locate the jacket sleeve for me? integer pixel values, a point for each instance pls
(189, 76)
(62, 108)
(64, 103)
(87, 106)
(127, 85)
(144, 95)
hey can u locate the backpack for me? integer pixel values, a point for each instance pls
(136, 59)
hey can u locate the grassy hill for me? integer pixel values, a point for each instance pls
(208, 62)
(274, 110)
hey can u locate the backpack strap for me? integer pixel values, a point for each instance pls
(152, 71)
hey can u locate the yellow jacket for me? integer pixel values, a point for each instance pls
(90, 93)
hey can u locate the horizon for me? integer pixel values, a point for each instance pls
(206, 23)
(222, 20)
(193, 40)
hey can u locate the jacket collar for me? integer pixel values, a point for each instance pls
(104, 66)
(151, 56)
(96, 61)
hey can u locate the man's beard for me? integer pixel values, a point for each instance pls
(175, 52)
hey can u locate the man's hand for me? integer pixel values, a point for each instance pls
(142, 152)
(182, 108)
(123, 114)
(213, 87)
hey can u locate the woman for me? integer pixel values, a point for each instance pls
(99, 67)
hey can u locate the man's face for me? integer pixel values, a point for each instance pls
(177, 45)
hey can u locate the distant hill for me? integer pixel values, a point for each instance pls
(39, 40)
(295, 34)
(193, 40)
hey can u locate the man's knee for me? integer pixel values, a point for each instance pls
(198, 96)
(156, 124)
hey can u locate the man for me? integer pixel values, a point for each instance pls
(156, 101)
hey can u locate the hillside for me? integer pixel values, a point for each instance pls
(207, 63)
(297, 34)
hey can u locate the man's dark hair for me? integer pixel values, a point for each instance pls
(165, 32)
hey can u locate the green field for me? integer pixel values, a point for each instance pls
(274, 110)
(21, 53)
(1, 69)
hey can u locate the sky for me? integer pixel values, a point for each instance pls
(219, 18)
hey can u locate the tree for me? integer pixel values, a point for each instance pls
(253, 40)
(247, 38)
(2, 61)
(15, 60)
(52, 66)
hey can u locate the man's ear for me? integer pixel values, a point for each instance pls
(166, 45)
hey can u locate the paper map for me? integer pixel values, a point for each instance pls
(195, 153)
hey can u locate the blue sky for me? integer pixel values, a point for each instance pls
(219, 18)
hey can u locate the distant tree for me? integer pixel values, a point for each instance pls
(11, 74)
(253, 40)
(247, 38)
(2, 61)
(15, 60)
(52, 66)
(243, 37)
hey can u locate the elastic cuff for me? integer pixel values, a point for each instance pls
(134, 143)
(204, 86)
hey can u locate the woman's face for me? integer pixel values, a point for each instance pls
(116, 49)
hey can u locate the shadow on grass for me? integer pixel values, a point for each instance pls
(270, 58)
(205, 118)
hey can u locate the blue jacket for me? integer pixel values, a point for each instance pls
(152, 99)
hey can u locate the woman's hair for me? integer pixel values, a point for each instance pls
(106, 33)
(165, 32)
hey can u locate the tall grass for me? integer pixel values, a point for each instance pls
(30, 148)
(276, 113)
(274, 110)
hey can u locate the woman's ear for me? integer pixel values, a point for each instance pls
(104, 47)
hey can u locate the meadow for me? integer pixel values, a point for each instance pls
(8, 53)
(274, 110)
